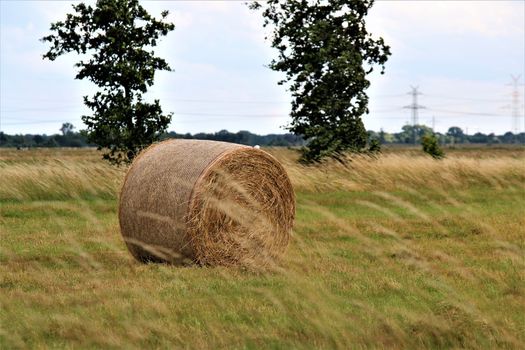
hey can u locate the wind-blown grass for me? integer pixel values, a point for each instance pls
(66, 174)
(397, 251)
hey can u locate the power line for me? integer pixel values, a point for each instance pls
(225, 115)
(236, 116)
(223, 101)
(475, 99)
(54, 108)
(476, 114)
(36, 122)
(226, 101)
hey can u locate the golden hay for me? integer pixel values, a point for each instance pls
(213, 203)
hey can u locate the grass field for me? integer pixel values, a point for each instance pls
(397, 251)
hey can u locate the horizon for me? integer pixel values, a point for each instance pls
(285, 132)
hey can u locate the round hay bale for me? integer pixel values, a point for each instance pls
(213, 203)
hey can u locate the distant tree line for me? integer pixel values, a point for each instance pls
(243, 138)
(455, 135)
(69, 138)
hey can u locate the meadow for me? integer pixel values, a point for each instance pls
(390, 251)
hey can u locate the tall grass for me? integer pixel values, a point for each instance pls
(394, 251)
(66, 174)
(394, 171)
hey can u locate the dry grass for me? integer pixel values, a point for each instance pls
(71, 173)
(398, 251)
(55, 174)
(393, 171)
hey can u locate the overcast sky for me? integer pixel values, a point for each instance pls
(459, 53)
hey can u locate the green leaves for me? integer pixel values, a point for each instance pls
(326, 53)
(431, 146)
(116, 34)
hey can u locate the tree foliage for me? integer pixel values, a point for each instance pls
(67, 128)
(456, 134)
(326, 53)
(374, 146)
(431, 146)
(414, 133)
(119, 35)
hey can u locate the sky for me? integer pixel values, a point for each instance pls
(460, 55)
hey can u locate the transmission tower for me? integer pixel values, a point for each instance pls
(415, 107)
(516, 105)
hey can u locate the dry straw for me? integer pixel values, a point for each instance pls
(213, 203)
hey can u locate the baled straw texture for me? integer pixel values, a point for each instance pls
(213, 203)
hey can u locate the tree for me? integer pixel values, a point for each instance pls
(326, 53)
(374, 146)
(408, 132)
(18, 140)
(382, 136)
(479, 138)
(117, 34)
(67, 128)
(38, 140)
(508, 137)
(456, 134)
(431, 146)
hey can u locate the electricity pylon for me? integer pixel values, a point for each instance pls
(415, 107)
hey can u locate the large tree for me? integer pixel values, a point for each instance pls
(118, 36)
(456, 134)
(326, 53)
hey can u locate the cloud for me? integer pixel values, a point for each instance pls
(421, 18)
(453, 48)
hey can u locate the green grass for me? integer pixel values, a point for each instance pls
(404, 266)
